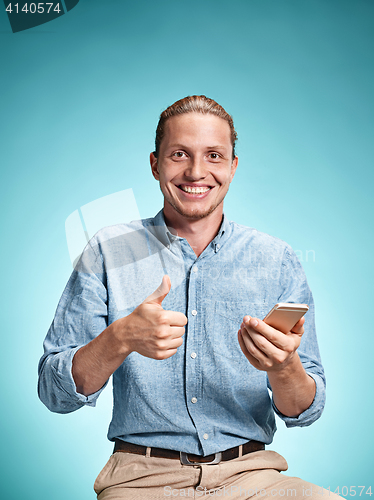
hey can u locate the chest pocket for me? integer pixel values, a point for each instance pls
(228, 317)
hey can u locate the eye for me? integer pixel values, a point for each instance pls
(214, 156)
(178, 154)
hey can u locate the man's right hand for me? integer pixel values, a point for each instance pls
(150, 330)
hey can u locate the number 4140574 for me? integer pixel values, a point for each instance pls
(34, 8)
(351, 491)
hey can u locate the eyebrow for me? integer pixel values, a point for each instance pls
(181, 146)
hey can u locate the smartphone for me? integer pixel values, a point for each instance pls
(284, 316)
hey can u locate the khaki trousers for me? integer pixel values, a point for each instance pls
(256, 475)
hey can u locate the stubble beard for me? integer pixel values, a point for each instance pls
(193, 214)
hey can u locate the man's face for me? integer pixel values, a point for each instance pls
(195, 165)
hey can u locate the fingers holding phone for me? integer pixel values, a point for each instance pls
(270, 344)
(299, 327)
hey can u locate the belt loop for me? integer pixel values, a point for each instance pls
(240, 450)
(148, 452)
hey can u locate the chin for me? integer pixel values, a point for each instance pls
(194, 214)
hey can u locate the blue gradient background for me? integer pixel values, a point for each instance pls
(80, 98)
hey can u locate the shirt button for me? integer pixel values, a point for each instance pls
(206, 436)
(194, 400)
(218, 246)
(194, 312)
(194, 269)
(193, 355)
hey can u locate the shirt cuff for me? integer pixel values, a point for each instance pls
(312, 413)
(69, 398)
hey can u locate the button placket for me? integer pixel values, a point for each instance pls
(193, 358)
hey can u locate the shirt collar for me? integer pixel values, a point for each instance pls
(166, 237)
(159, 228)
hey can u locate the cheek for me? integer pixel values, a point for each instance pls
(168, 174)
(167, 183)
(225, 180)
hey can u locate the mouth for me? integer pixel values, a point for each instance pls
(194, 189)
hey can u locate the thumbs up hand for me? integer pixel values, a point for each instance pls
(150, 330)
(160, 293)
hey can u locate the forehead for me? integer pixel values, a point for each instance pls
(197, 129)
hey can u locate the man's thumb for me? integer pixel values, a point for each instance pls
(160, 293)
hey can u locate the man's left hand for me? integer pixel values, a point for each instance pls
(265, 347)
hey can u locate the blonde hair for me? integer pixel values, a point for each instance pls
(193, 104)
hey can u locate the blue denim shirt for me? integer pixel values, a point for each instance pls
(207, 397)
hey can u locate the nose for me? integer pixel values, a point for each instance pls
(196, 169)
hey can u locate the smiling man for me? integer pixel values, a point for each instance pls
(194, 164)
(192, 361)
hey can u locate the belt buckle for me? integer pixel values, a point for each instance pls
(185, 461)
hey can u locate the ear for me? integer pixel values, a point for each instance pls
(234, 166)
(154, 167)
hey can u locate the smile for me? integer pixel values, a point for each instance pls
(195, 190)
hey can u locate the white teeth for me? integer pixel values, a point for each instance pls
(196, 190)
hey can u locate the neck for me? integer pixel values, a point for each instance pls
(198, 232)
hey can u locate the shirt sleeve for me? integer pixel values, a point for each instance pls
(81, 315)
(296, 290)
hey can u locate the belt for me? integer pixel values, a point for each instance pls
(188, 458)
